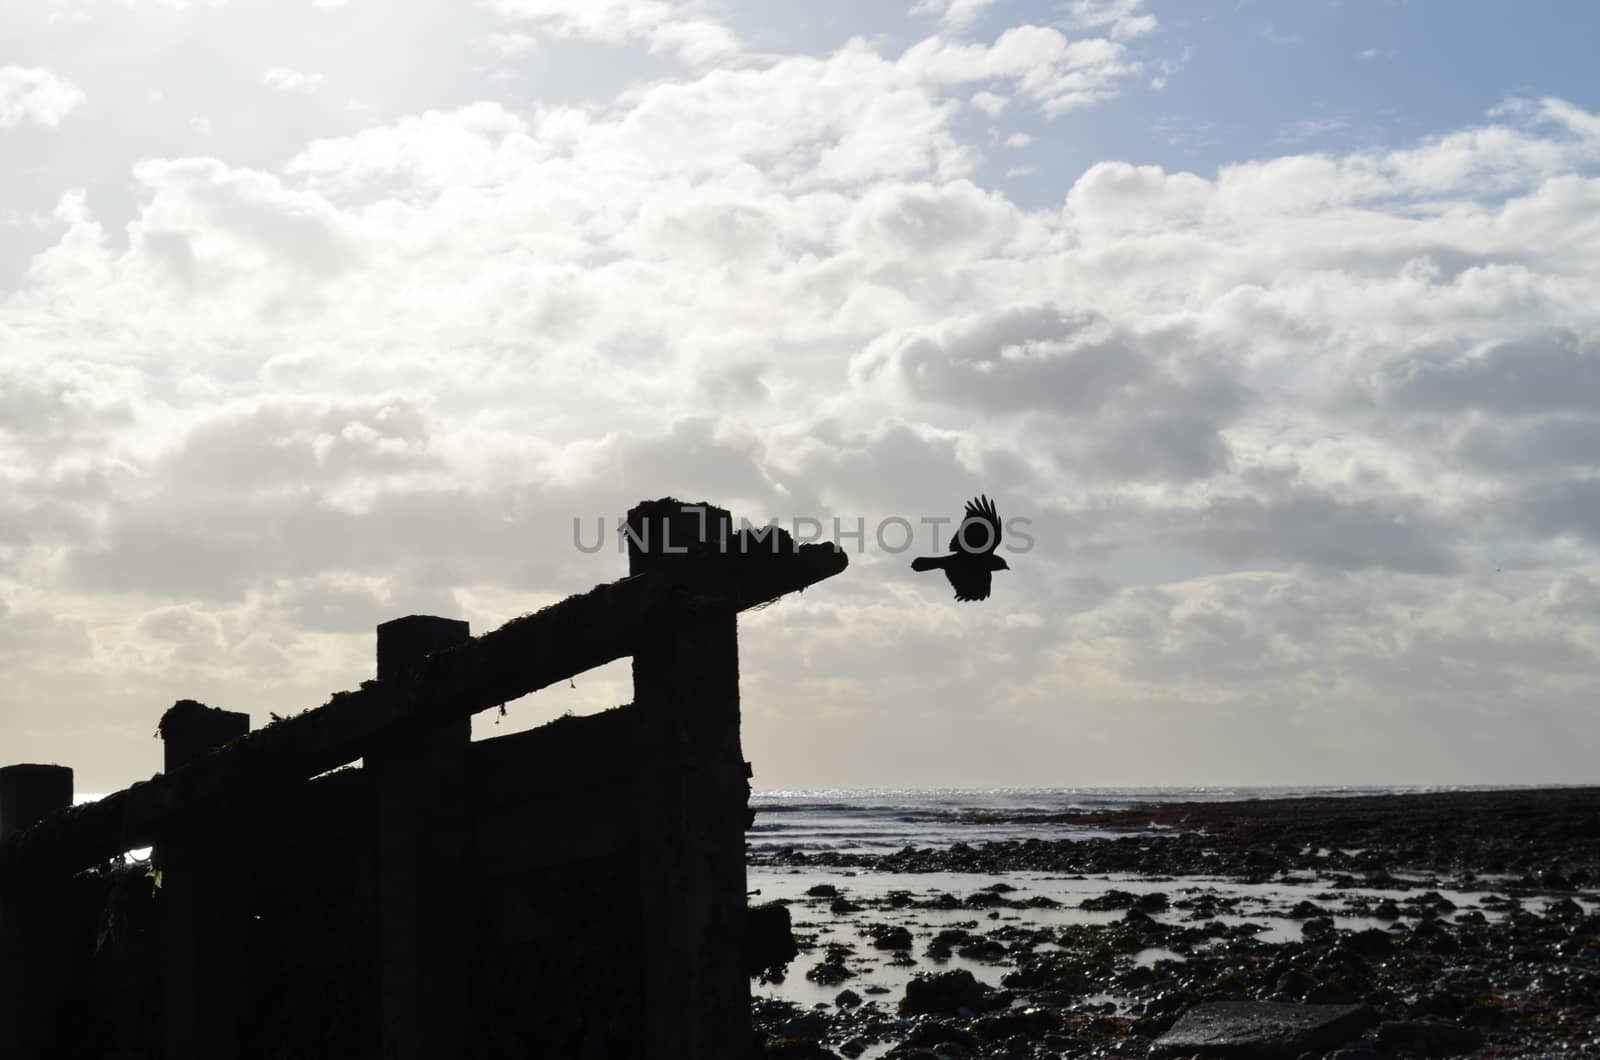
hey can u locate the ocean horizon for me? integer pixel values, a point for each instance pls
(875, 820)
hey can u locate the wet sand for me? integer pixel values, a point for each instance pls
(1466, 921)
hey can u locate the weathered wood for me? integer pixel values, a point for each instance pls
(204, 902)
(190, 729)
(30, 793)
(205, 907)
(573, 753)
(523, 656)
(35, 962)
(423, 803)
(691, 837)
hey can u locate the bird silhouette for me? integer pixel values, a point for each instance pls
(972, 561)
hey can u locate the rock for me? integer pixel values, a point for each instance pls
(1434, 900)
(1262, 1030)
(770, 942)
(1358, 1051)
(1165, 1003)
(841, 906)
(986, 950)
(823, 890)
(1032, 1024)
(929, 1033)
(1330, 994)
(1566, 907)
(946, 993)
(1317, 926)
(847, 999)
(892, 938)
(852, 1048)
(1112, 899)
(1296, 984)
(831, 971)
(1429, 1037)
(1371, 942)
(806, 1025)
(1137, 977)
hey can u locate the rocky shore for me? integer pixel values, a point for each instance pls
(1454, 924)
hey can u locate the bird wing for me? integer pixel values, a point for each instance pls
(968, 579)
(979, 531)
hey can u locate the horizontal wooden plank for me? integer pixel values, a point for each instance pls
(522, 656)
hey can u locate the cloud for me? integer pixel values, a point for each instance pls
(1547, 372)
(25, 631)
(285, 79)
(953, 14)
(1028, 358)
(989, 102)
(1273, 421)
(666, 26)
(1124, 18)
(1552, 444)
(1058, 74)
(1326, 532)
(35, 96)
(924, 219)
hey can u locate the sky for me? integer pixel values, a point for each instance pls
(1275, 321)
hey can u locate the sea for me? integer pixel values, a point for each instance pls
(875, 821)
(883, 821)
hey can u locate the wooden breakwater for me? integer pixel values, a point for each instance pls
(574, 891)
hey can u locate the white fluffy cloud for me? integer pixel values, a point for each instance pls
(31, 95)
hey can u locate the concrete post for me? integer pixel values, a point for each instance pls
(692, 872)
(205, 902)
(35, 961)
(426, 922)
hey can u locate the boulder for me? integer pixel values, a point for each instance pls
(770, 943)
(1262, 1030)
(946, 993)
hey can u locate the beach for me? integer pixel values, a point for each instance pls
(1439, 923)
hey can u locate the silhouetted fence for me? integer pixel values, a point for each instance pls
(577, 890)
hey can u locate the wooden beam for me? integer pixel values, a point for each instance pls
(522, 656)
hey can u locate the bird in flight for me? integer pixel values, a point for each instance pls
(973, 560)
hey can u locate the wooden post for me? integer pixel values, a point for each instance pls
(692, 872)
(425, 880)
(190, 729)
(35, 961)
(205, 904)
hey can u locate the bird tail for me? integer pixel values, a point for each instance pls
(929, 562)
